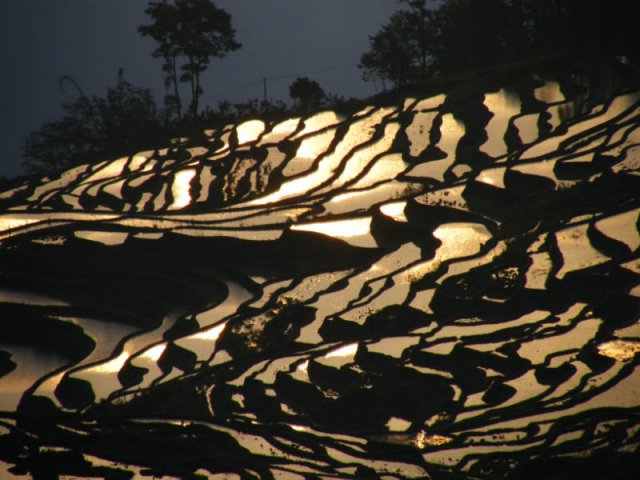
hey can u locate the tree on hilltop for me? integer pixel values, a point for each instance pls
(96, 128)
(306, 92)
(401, 51)
(195, 30)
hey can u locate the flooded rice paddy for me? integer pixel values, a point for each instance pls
(437, 289)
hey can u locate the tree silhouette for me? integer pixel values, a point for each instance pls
(426, 40)
(194, 29)
(95, 128)
(164, 30)
(306, 92)
(474, 34)
(421, 32)
(402, 51)
(390, 56)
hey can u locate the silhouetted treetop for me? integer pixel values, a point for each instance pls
(96, 128)
(425, 40)
(195, 30)
(306, 92)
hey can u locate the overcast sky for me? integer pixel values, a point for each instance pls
(42, 40)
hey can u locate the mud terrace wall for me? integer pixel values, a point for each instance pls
(437, 289)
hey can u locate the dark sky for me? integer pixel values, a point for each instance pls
(42, 40)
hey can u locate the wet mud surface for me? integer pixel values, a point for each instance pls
(446, 288)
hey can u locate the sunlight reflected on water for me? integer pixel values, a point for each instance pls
(65, 179)
(576, 250)
(503, 105)
(314, 145)
(359, 133)
(462, 239)
(364, 157)
(430, 103)
(106, 238)
(622, 350)
(110, 170)
(31, 365)
(622, 227)
(249, 131)
(308, 151)
(493, 176)
(452, 130)
(346, 351)
(317, 122)
(154, 353)
(342, 229)
(114, 365)
(139, 159)
(181, 189)
(210, 334)
(384, 168)
(418, 132)
(395, 210)
(280, 131)
(8, 222)
(549, 93)
(459, 240)
(476, 307)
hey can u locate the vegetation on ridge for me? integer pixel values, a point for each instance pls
(424, 49)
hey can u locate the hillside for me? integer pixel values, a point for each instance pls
(445, 287)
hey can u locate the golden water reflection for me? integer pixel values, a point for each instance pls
(452, 130)
(335, 200)
(363, 157)
(493, 176)
(110, 170)
(423, 440)
(345, 351)
(418, 132)
(106, 238)
(180, 189)
(385, 168)
(211, 334)
(576, 250)
(622, 227)
(317, 122)
(395, 210)
(280, 131)
(249, 131)
(9, 222)
(622, 350)
(154, 353)
(354, 231)
(114, 365)
(459, 240)
(549, 93)
(65, 179)
(309, 150)
(504, 105)
(359, 133)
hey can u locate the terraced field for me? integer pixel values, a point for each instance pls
(442, 288)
